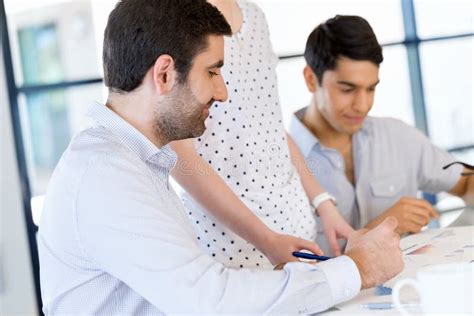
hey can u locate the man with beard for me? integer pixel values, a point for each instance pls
(114, 238)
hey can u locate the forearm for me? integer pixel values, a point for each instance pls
(468, 196)
(207, 188)
(464, 188)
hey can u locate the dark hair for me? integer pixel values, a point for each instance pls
(139, 31)
(341, 36)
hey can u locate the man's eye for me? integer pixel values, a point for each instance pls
(212, 73)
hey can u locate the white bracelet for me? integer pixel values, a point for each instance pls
(320, 198)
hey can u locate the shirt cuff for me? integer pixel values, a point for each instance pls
(342, 277)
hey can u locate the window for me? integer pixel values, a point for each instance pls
(61, 32)
(54, 53)
(48, 119)
(291, 21)
(294, 95)
(447, 79)
(393, 95)
(455, 15)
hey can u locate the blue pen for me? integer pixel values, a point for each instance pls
(306, 255)
(386, 305)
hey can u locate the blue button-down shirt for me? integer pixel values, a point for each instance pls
(390, 159)
(114, 239)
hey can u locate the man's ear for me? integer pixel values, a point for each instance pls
(164, 74)
(310, 79)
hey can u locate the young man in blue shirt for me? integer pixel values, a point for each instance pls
(374, 167)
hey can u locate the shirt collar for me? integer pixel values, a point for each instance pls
(101, 115)
(301, 134)
(367, 128)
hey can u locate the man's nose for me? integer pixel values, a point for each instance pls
(362, 102)
(220, 91)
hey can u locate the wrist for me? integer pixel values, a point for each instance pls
(360, 267)
(322, 202)
(265, 240)
(326, 207)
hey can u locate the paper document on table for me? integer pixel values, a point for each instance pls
(435, 246)
(452, 244)
(430, 247)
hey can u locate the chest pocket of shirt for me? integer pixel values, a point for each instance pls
(388, 187)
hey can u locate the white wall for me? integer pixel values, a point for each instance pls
(17, 295)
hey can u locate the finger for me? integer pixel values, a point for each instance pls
(421, 220)
(292, 259)
(390, 223)
(414, 228)
(311, 246)
(408, 200)
(279, 266)
(431, 211)
(412, 224)
(421, 203)
(434, 213)
(421, 213)
(336, 250)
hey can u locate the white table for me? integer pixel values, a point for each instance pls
(433, 246)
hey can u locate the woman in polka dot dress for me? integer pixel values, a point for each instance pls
(247, 201)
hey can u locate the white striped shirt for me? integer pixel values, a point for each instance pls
(114, 239)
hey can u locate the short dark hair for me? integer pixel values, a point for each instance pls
(341, 36)
(139, 31)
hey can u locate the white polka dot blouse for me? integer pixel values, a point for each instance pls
(245, 143)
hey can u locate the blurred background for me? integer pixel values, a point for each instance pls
(50, 72)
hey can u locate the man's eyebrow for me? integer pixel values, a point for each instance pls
(376, 83)
(350, 84)
(218, 64)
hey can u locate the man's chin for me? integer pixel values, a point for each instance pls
(354, 129)
(198, 131)
(195, 133)
(350, 129)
